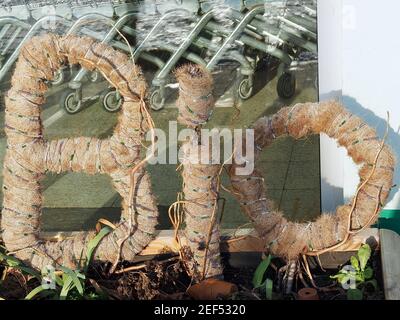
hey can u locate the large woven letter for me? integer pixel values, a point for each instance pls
(29, 156)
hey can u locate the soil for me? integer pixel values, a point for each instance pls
(165, 278)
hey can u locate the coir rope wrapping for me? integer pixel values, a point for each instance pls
(196, 101)
(289, 239)
(29, 156)
(200, 176)
(201, 191)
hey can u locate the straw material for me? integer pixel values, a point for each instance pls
(201, 190)
(289, 239)
(196, 101)
(29, 156)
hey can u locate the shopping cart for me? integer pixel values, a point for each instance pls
(125, 13)
(72, 100)
(290, 35)
(13, 24)
(250, 30)
(14, 43)
(251, 34)
(20, 20)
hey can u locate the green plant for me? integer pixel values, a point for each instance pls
(11, 262)
(61, 283)
(357, 275)
(258, 277)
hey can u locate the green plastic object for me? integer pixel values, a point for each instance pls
(389, 219)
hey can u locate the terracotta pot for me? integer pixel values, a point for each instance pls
(308, 294)
(211, 289)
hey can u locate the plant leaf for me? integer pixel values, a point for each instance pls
(15, 263)
(345, 279)
(360, 277)
(260, 271)
(74, 278)
(30, 271)
(368, 273)
(268, 288)
(374, 283)
(364, 253)
(10, 260)
(34, 292)
(354, 294)
(340, 275)
(354, 263)
(66, 287)
(80, 275)
(59, 281)
(92, 245)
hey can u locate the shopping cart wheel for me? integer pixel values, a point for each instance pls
(60, 77)
(157, 102)
(286, 87)
(95, 76)
(111, 101)
(69, 103)
(245, 89)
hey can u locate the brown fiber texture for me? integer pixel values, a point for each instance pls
(196, 101)
(200, 175)
(29, 156)
(201, 190)
(289, 239)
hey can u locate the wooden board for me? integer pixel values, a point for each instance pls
(232, 240)
(390, 256)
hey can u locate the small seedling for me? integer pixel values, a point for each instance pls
(357, 275)
(258, 277)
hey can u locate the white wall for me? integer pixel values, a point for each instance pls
(370, 73)
(330, 87)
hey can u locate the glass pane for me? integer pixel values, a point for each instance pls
(262, 54)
